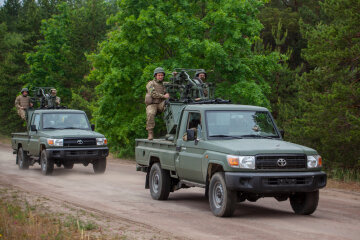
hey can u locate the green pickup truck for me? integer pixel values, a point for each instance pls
(59, 137)
(235, 152)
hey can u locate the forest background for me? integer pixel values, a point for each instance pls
(298, 58)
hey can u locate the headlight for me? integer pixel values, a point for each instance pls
(314, 161)
(247, 162)
(55, 142)
(101, 141)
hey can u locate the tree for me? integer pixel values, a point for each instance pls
(11, 66)
(215, 35)
(59, 59)
(329, 95)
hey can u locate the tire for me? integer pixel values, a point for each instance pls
(47, 165)
(68, 165)
(99, 165)
(159, 182)
(22, 159)
(222, 200)
(304, 203)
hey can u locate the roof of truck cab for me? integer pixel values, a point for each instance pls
(58, 111)
(200, 107)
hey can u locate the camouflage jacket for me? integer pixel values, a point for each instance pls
(156, 91)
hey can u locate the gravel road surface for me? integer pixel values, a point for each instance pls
(120, 193)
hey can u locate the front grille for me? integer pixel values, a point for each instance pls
(79, 142)
(272, 161)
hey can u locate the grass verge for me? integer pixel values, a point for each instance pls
(21, 220)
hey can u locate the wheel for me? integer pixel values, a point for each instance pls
(47, 165)
(304, 203)
(68, 165)
(159, 182)
(22, 159)
(222, 200)
(99, 165)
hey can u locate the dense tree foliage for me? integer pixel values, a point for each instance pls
(215, 35)
(298, 58)
(329, 95)
(59, 59)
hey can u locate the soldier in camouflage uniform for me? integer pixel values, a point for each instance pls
(54, 97)
(155, 100)
(22, 103)
(200, 77)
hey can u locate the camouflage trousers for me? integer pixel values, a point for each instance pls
(22, 113)
(151, 111)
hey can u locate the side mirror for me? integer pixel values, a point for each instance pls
(190, 134)
(282, 132)
(93, 127)
(33, 128)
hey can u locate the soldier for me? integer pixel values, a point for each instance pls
(22, 103)
(54, 98)
(155, 100)
(200, 77)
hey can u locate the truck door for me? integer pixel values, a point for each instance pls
(191, 153)
(33, 144)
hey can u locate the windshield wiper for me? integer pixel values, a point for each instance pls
(50, 128)
(222, 135)
(258, 136)
(71, 128)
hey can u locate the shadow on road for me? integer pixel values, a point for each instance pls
(59, 171)
(243, 210)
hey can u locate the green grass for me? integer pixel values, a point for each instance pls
(346, 175)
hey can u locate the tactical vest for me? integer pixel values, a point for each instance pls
(24, 101)
(159, 88)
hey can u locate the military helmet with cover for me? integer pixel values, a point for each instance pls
(24, 90)
(159, 70)
(198, 71)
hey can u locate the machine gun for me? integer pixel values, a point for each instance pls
(183, 91)
(44, 97)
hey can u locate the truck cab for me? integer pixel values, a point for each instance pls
(236, 153)
(59, 137)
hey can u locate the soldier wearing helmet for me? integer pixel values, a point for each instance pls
(54, 100)
(22, 103)
(155, 100)
(199, 79)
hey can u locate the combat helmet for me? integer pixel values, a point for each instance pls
(198, 71)
(24, 90)
(159, 70)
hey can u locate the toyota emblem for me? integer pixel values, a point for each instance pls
(80, 142)
(281, 162)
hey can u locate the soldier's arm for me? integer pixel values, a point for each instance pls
(17, 102)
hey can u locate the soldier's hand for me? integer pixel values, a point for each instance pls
(167, 95)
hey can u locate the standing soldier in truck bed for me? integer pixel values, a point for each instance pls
(22, 103)
(155, 100)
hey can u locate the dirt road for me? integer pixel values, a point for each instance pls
(120, 193)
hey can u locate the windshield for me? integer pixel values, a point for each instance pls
(239, 124)
(65, 121)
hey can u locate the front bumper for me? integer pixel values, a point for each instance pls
(275, 182)
(77, 154)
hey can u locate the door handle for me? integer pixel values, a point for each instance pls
(183, 148)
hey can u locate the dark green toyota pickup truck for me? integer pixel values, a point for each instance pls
(236, 153)
(59, 137)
